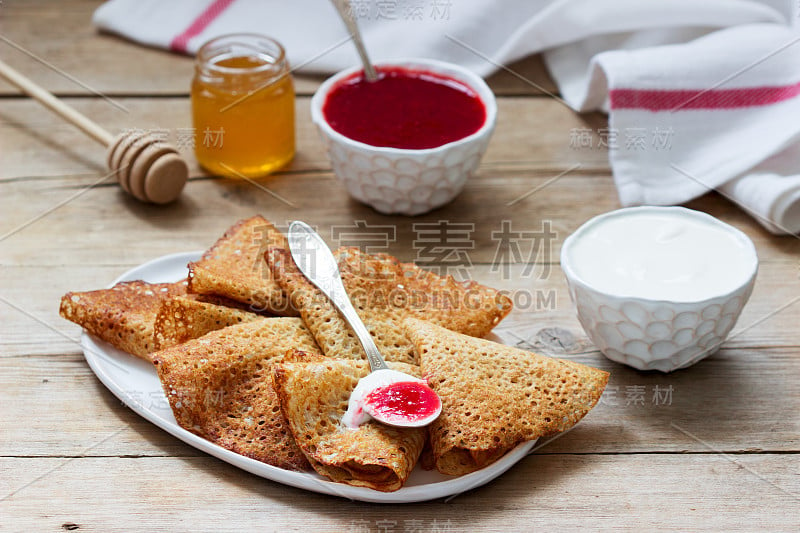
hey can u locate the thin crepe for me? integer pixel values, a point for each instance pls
(220, 387)
(183, 318)
(124, 315)
(385, 292)
(495, 397)
(313, 393)
(234, 267)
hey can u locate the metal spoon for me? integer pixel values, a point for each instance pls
(346, 12)
(315, 260)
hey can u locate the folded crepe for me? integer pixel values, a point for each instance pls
(183, 318)
(220, 387)
(313, 393)
(385, 292)
(235, 268)
(124, 315)
(495, 397)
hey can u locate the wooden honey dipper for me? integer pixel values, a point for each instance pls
(145, 167)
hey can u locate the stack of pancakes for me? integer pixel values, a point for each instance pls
(254, 358)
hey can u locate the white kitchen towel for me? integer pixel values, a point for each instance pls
(700, 95)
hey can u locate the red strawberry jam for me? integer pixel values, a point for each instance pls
(404, 108)
(404, 401)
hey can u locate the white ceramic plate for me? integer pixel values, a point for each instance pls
(135, 382)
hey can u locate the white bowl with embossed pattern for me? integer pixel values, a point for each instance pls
(658, 334)
(406, 181)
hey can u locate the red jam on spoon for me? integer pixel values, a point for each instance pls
(405, 401)
(404, 108)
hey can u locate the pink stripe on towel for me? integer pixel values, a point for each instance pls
(199, 24)
(675, 100)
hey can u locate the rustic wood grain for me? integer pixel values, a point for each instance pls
(710, 407)
(85, 227)
(113, 66)
(551, 492)
(38, 143)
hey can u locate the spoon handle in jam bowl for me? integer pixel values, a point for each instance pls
(316, 262)
(346, 12)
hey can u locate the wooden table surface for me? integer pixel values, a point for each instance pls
(713, 446)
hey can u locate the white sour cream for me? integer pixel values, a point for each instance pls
(356, 413)
(664, 253)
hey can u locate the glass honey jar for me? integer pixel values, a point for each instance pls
(243, 106)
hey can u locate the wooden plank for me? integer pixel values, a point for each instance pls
(89, 223)
(553, 492)
(709, 407)
(71, 409)
(528, 76)
(113, 66)
(101, 62)
(38, 143)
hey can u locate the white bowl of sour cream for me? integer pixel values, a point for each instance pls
(658, 288)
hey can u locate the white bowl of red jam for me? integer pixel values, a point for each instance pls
(408, 142)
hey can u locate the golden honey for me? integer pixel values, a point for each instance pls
(243, 106)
